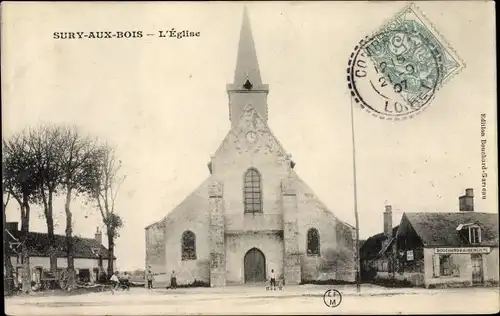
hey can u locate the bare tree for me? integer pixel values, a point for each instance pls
(103, 189)
(77, 152)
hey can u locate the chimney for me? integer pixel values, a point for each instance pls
(466, 202)
(98, 236)
(11, 226)
(388, 220)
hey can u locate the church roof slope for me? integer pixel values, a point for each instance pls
(309, 191)
(201, 192)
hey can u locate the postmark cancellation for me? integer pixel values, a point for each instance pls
(395, 73)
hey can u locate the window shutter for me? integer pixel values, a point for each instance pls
(436, 265)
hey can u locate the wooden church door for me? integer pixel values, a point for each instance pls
(255, 266)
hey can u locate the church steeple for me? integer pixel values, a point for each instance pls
(247, 65)
(247, 87)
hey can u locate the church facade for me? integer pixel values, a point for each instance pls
(253, 213)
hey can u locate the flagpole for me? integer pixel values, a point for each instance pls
(358, 268)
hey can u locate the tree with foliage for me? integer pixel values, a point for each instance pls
(8, 276)
(46, 143)
(19, 180)
(102, 189)
(75, 161)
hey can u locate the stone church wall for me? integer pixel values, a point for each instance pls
(155, 246)
(192, 214)
(245, 231)
(237, 246)
(336, 260)
(230, 165)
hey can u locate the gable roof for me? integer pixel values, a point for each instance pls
(306, 189)
(439, 229)
(38, 245)
(373, 246)
(250, 119)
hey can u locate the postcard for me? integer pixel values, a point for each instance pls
(228, 158)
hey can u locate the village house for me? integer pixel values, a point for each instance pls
(443, 249)
(377, 261)
(90, 256)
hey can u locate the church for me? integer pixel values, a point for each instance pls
(253, 213)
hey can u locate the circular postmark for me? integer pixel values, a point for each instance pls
(332, 298)
(395, 74)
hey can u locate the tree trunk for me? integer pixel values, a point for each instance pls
(25, 217)
(25, 260)
(50, 233)
(9, 276)
(69, 240)
(111, 251)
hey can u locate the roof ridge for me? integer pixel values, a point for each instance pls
(61, 235)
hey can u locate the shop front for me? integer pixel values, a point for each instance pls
(461, 266)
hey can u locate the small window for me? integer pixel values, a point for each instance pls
(445, 265)
(247, 85)
(474, 235)
(313, 242)
(386, 264)
(188, 246)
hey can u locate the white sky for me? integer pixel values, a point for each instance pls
(163, 103)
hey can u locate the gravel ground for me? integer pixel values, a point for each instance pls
(306, 299)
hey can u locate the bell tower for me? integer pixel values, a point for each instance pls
(247, 87)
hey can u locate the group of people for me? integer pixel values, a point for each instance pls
(125, 280)
(150, 277)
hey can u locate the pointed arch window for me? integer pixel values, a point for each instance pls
(313, 242)
(252, 191)
(188, 245)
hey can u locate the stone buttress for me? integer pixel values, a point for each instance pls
(216, 235)
(291, 260)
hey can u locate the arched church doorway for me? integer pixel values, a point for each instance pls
(255, 266)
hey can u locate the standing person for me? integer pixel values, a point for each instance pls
(149, 278)
(173, 280)
(272, 282)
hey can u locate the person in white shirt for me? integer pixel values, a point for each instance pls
(114, 280)
(272, 278)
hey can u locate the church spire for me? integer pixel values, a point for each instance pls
(247, 87)
(247, 67)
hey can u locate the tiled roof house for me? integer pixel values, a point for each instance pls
(90, 256)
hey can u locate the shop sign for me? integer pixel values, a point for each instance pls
(463, 250)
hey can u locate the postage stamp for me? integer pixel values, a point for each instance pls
(395, 73)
